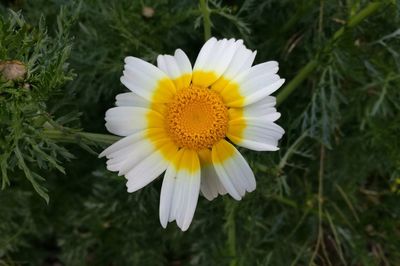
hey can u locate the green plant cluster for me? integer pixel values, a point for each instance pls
(329, 196)
(33, 70)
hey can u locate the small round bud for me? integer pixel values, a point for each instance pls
(12, 70)
(147, 12)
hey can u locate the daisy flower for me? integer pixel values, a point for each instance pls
(183, 121)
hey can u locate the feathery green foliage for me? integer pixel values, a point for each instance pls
(26, 101)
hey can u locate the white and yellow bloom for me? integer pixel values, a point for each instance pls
(179, 119)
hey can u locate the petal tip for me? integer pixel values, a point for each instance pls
(179, 51)
(128, 59)
(238, 198)
(184, 227)
(164, 223)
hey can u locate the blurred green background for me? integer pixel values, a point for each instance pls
(329, 196)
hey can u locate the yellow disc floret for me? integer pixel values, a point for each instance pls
(196, 118)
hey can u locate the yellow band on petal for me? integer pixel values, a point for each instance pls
(182, 82)
(164, 92)
(205, 157)
(235, 113)
(236, 124)
(222, 151)
(228, 89)
(236, 129)
(203, 78)
(189, 161)
(154, 118)
(231, 94)
(162, 143)
(220, 84)
(186, 159)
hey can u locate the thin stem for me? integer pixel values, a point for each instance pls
(292, 21)
(74, 137)
(313, 63)
(321, 17)
(296, 81)
(231, 232)
(359, 17)
(291, 150)
(206, 19)
(320, 202)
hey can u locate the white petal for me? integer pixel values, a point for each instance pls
(146, 80)
(270, 67)
(125, 120)
(252, 85)
(190, 197)
(259, 134)
(131, 99)
(182, 180)
(241, 61)
(128, 153)
(113, 166)
(205, 52)
(138, 152)
(262, 109)
(124, 154)
(232, 169)
(177, 67)
(210, 185)
(169, 65)
(177, 201)
(183, 62)
(168, 191)
(146, 171)
(120, 144)
(214, 57)
(143, 171)
(224, 55)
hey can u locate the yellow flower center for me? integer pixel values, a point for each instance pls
(196, 118)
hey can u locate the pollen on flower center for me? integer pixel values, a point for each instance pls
(196, 118)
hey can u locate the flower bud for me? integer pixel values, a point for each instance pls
(12, 70)
(147, 12)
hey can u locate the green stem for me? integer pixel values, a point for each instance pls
(359, 17)
(320, 209)
(74, 137)
(313, 63)
(295, 18)
(296, 81)
(206, 19)
(231, 232)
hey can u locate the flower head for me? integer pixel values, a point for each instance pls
(179, 119)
